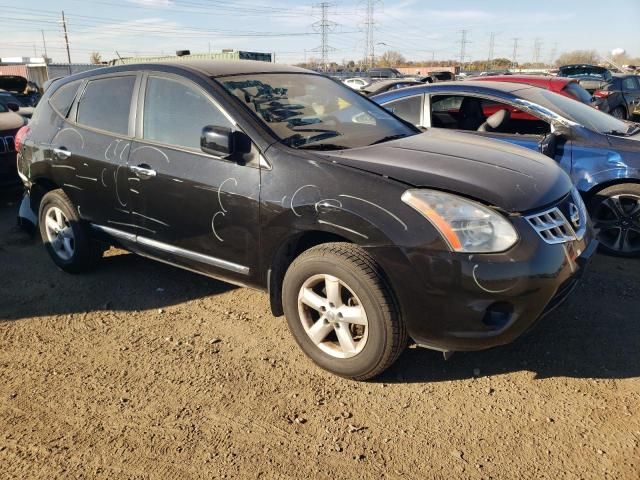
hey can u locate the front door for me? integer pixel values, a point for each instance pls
(191, 208)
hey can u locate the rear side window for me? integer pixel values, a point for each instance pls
(578, 92)
(630, 83)
(409, 109)
(106, 103)
(63, 97)
(175, 113)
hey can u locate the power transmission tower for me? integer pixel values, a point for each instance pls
(514, 58)
(554, 52)
(44, 44)
(463, 46)
(537, 47)
(492, 44)
(324, 26)
(66, 41)
(369, 23)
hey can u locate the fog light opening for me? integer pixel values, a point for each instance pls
(498, 315)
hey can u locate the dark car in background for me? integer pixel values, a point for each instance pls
(27, 93)
(363, 230)
(591, 77)
(601, 153)
(382, 86)
(620, 96)
(384, 72)
(13, 103)
(10, 123)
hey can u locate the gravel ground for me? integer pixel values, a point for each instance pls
(141, 370)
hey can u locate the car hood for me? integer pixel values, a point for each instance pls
(511, 178)
(13, 83)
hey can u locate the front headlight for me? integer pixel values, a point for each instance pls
(466, 226)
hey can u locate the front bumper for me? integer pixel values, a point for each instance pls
(457, 302)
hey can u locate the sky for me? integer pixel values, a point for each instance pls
(419, 29)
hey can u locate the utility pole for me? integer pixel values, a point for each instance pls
(514, 57)
(44, 44)
(324, 26)
(463, 46)
(492, 43)
(66, 41)
(369, 24)
(537, 47)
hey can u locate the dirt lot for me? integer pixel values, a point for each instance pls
(140, 370)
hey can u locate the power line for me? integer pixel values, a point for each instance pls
(369, 24)
(463, 45)
(66, 40)
(537, 47)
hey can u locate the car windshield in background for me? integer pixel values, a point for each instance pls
(579, 112)
(313, 112)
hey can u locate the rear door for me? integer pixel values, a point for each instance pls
(92, 148)
(631, 93)
(190, 208)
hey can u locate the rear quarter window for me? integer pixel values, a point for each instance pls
(63, 97)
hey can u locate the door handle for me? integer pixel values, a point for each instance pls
(61, 153)
(143, 171)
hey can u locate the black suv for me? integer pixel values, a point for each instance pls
(363, 230)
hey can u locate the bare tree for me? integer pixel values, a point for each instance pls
(391, 58)
(578, 56)
(95, 58)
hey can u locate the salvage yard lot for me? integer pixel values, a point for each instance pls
(140, 370)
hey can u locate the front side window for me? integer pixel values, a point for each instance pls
(63, 97)
(176, 113)
(409, 109)
(464, 112)
(106, 103)
(313, 112)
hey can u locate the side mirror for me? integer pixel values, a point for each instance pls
(549, 145)
(224, 142)
(14, 107)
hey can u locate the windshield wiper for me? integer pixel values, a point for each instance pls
(617, 133)
(322, 146)
(389, 138)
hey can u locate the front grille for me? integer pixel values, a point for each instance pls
(553, 226)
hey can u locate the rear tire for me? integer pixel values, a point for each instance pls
(65, 236)
(341, 311)
(615, 212)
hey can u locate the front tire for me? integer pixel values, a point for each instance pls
(341, 311)
(615, 212)
(65, 235)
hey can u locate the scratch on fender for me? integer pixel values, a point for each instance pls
(72, 186)
(323, 222)
(131, 225)
(87, 178)
(395, 217)
(293, 197)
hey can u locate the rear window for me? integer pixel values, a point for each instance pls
(105, 104)
(62, 98)
(630, 83)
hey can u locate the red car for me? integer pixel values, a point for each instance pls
(569, 87)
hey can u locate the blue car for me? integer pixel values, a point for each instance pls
(601, 153)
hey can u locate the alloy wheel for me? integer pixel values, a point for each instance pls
(333, 316)
(617, 223)
(59, 233)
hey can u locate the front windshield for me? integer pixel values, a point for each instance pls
(577, 112)
(313, 112)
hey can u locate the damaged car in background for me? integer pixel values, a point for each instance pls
(600, 153)
(365, 231)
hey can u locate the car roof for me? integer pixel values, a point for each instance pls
(218, 68)
(479, 86)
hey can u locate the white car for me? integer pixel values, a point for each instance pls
(357, 83)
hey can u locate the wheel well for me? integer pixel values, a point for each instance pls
(286, 254)
(39, 189)
(601, 186)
